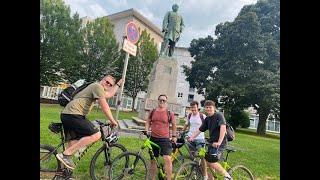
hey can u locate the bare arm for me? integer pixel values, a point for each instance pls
(195, 134)
(174, 128)
(106, 109)
(147, 125)
(222, 133)
(185, 127)
(221, 136)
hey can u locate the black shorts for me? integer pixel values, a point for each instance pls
(165, 145)
(214, 155)
(77, 126)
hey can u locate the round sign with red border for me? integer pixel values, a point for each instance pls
(132, 33)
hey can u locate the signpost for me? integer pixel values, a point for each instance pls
(132, 37)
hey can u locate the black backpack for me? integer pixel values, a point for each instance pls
(67, 94)
(230, 132)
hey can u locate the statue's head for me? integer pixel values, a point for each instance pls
(175, 7)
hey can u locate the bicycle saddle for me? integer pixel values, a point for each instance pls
(55, 127)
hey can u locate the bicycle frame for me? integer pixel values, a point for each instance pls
(223, 163)
(148, 144)
(63, 142)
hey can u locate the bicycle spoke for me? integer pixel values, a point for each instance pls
(128, 166)
(240, 172)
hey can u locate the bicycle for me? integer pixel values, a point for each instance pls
(100, 162)
(136, 167)
(177, 154)
(193, 170)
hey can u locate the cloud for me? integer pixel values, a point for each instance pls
(150, 16)
(97, 10)
(89, 8)
(200, 16)
(192, 32)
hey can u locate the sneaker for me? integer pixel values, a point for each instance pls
(227, 178)
(67, 161)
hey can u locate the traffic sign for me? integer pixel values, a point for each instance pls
(132, 33)
(129, 47)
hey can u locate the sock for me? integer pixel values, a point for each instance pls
(205, 177)
(66, 155)
(227, 175)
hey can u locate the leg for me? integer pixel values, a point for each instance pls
(78, 127)
(81, 143)
(171, 48)
(153, 169)
(153, 165)
(164, 47)
(71, 142)
(204, 167)
(219, 168)
(168, 166)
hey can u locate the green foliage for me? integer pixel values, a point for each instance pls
(59, 39)
(70, 50)
(242, 66)
(100, 50)
(239, 118)
(139, 67)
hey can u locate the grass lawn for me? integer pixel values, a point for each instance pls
(260, 154)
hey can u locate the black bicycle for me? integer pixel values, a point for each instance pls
(51, 167)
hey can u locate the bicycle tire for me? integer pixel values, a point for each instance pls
(94, 174)
(176, 163)
(49, 164)
(240, 172)
(189, 171)
(126, 169)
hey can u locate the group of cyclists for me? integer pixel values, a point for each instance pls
(80, 132)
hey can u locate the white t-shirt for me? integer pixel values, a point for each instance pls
(195, 123)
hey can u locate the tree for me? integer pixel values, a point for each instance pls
(239, 118)
(241, 67)
(99, 53)
(59, 40)
(139, 67)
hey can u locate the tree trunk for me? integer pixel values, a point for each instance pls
(133, 102)
(263, 115)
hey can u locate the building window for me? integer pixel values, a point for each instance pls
(180, 94)
(190, 98)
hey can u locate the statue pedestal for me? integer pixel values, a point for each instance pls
(163, 80)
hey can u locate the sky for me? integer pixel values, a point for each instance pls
(200, 16)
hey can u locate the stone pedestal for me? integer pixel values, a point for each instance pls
(163, 80)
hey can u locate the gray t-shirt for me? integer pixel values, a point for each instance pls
(212, 123)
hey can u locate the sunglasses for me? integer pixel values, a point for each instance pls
(108, 83)
(162, 100)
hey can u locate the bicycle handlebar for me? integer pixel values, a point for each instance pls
(102, 123)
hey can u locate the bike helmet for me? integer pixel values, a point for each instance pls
(113, 137)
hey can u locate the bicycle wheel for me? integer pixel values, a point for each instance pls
(128, 165)
(240, 172)
(176, 163)
(49, 164)
(188, 171)
(99, 164)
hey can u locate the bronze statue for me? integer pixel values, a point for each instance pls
(172, 27)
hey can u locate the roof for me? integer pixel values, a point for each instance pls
(136, 14)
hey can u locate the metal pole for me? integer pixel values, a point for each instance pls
(124, 79)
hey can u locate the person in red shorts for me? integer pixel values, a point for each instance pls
(159, 122)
